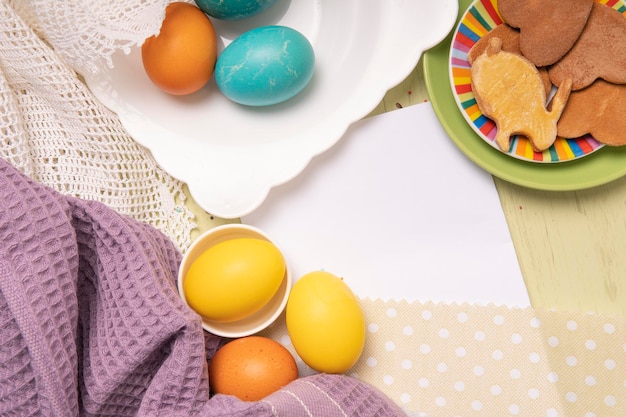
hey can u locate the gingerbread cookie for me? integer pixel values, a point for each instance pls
(509, 91)
(548, 28)
(600, 52)
(606, 122)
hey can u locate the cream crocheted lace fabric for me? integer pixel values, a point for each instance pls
(55, 131)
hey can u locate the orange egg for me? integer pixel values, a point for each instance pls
(251, 368)
(180, 59)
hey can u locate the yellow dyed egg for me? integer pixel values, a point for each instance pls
(234, 279)
(325, 322)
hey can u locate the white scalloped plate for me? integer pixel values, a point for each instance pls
(229, 155)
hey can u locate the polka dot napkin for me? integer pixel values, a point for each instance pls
(470, 360)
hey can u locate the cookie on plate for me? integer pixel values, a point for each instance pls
(605, 122)
(509, 91)
(548, 28)
(600, 52)
(510, 43)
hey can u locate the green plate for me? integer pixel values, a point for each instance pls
(603, 166)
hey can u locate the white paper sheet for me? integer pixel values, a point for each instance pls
(398, 212)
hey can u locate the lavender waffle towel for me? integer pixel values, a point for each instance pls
(91, 323)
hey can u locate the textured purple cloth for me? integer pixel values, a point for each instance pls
(91, 323)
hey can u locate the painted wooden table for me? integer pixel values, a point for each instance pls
(571, 246)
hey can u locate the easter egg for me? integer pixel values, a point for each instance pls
(180, 59)
(264, 66)
(233, 9)
(234, 279)
(251, 368)
(325, 322)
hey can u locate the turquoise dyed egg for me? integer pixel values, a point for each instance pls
(264, 66)
(233, 9)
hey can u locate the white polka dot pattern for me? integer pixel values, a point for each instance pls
(463, 360)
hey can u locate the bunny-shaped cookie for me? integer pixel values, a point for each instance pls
(509, 90)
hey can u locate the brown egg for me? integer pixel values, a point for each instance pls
(251, 368)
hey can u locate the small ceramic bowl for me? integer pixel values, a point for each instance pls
(255, 322)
